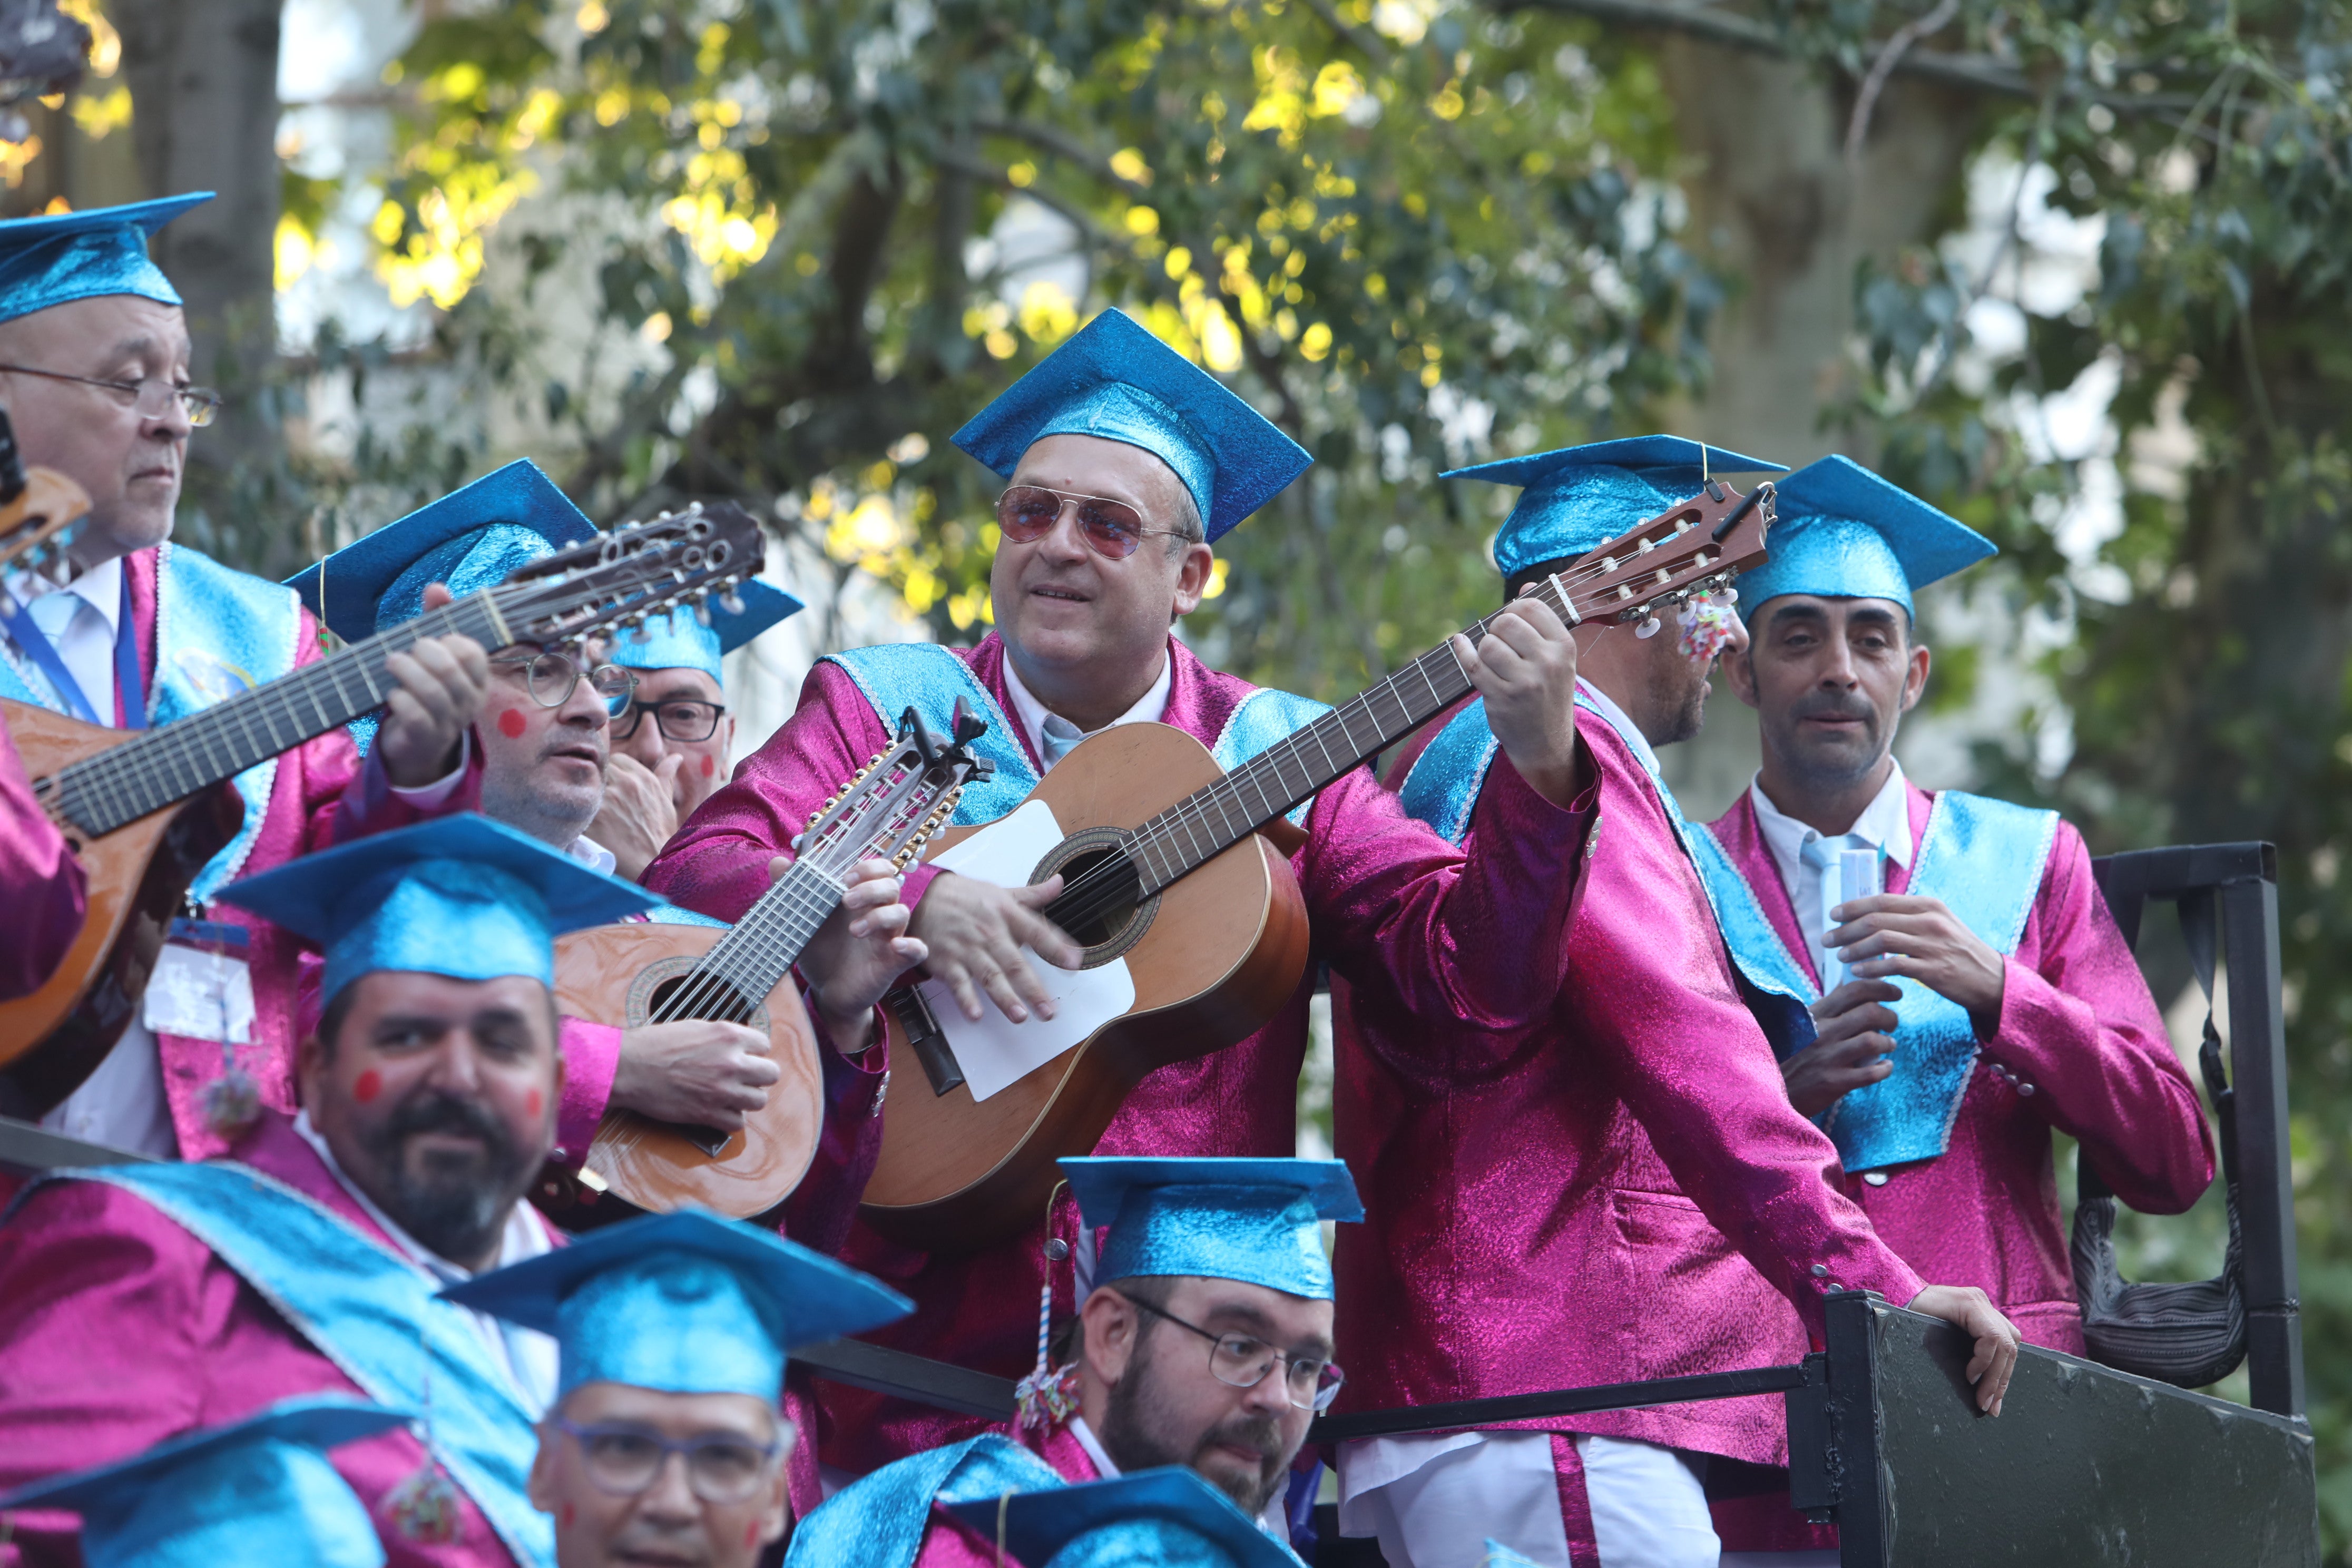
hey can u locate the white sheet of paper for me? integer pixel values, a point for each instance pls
(996, 1051)
(204, 995)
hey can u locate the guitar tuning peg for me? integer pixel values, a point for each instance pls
(1730, 594)
(1647, 628)
(732, 602)
(702, 611)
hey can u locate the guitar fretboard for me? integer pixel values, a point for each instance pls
(156, 767)
(761, 948)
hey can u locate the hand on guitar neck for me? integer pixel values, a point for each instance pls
(857, 955)
(438, 684)
(1526, 670)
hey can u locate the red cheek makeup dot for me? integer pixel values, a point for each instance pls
(510, 723)
(370, 1085)
(751, 1533)
(709, 766)
(531, 1102)
(569, 1514)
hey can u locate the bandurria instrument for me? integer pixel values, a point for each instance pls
(1167, 864)
(630, 974)
(143, 814)
(40, 509)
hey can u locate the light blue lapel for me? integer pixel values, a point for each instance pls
(1261, 719)
(879, 1523)
(895, 677)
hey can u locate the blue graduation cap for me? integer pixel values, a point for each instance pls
(459, 896)
(258, 1492)
(1168, 1517)
(677, 639)
(1577, 498)
(684, 1303)
(59, 257)
(1251, 1220)
(1842, 533)
(1117, 381)
(470, 539)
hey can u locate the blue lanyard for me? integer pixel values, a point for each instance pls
(128, 694)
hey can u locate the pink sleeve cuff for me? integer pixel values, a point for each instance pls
(592, 1059)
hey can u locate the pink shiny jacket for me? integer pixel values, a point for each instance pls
(1384, 894)
(2080, 1031)
(1617, 1190)
(41, 885)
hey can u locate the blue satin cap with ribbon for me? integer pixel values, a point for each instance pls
(1117, 381)
(258, 1492)
(1577, 498)
(461, 896)
(61, 256)
(1251, 1220)
(1168, 1516)
(682, 1303)
(1842, 533)
(470, 539)
(677, 639)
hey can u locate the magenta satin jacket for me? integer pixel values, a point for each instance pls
(41, 885)
(1617, 1191)
(1384, 894)
(2077, 1023)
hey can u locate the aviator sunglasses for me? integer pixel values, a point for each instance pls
(1111, 527)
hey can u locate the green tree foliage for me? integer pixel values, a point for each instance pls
(1380, 224)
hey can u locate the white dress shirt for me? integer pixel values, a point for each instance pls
(1053, 735)
(81, 620)
(1884, 825)
(529, 1357)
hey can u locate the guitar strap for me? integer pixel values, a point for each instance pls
(879, 1523)
(376, 1315)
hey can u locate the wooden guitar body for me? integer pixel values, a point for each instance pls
(617, 974)
(138, 875)
(1218, 953)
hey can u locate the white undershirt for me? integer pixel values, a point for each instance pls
(1884, 825)
(529, 1357)
(593, 854)
(1044, 724)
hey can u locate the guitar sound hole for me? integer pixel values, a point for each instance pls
(710, 997)
(1101, 904)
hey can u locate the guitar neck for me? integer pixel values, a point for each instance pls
(754, 957)
(157, 767)
(1206, 823)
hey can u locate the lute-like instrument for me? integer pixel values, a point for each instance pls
(41, 511)
(1168, 865)
(630, 974)
(143, 813)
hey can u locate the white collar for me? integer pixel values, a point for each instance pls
(99, 587)
(593, 854)
(1626, 729)
(1885, 824)
(1035, 715)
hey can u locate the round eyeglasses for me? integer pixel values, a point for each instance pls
(1111, 527)
(623, 1460)
(554, 677)
(678, 719)
(199, 404)
(1239, 1361)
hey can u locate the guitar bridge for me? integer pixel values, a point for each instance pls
(928, 1040)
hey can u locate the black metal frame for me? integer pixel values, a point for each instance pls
(2242, 882)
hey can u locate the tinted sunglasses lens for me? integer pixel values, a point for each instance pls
(1110, 526)
(1027, 514)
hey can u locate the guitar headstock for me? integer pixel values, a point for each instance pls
(614, 582)
(897, 801)
(40, 512)
(1694, 547)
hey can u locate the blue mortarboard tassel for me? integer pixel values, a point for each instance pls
(1166, 1517)
(1115, 379)
(1251, 1220)
(461, 896)
(684, 1303)
(61, 256)
(677, 639)
(1577, 498)
(258, 1492)
(1842, 533)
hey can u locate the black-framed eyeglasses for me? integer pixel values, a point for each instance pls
(624, 1459)
(150, 397)
(677, 718)
(1241, 1361)
(554, 677)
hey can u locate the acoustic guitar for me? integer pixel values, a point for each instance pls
(143, 814)
(1169, 864)
(635, 973)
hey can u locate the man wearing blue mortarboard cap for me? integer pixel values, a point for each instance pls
(139, 1301)
(1978, 992)
(1165, 1518)
(1204, 1341)
(93, 371)
(670, 749)
(672, 1334)
(1639, 1135)
(1124, 464)
(258, 1493)
(545, 737)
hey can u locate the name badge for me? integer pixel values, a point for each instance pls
(202, 989)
